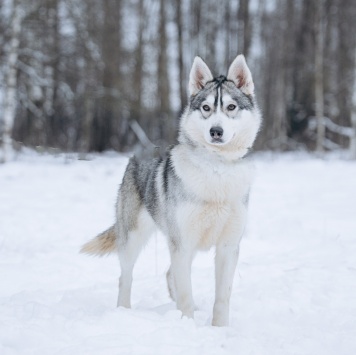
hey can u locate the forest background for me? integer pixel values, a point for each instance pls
(86, 75)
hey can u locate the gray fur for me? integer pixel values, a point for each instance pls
(243, 101)
(246, 199)
(140, 189)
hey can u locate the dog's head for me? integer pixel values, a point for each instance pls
(222, 115)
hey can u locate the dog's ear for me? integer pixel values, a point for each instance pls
(200, 74)
(240, 74)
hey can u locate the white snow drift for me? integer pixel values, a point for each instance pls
(294, 291)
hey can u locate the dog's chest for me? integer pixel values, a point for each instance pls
(214, 181)
(206, 223)
(215, 194)
(212, 219)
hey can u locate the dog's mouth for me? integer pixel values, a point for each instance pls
(217, 141)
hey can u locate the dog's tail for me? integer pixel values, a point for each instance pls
(103, 244)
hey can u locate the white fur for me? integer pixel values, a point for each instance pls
(239, 133)
(217, 217)
(209, 177)
(217, 183)
(128, 254)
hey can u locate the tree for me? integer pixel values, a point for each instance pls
(110, 121)
(353, 121)
(319, 70)
(244, 28)
(163, 87)
(77, 74)
(139, 63)
(180, 43)
(10, 102)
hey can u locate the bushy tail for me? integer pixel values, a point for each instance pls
(104, 243)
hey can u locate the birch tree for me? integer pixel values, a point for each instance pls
(180, 44)
(352, 145)
(244, 28)
(138, 75)
(319, 70)
(76, 74)
(163, 86)
(10, 81)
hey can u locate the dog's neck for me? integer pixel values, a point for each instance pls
(215, 154)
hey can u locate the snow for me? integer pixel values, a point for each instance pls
(294, 291)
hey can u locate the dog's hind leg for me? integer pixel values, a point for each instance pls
(127, 256)
(129, 252)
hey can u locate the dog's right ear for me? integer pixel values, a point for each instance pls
(200, 74)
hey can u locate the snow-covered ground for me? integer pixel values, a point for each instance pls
(294, 292)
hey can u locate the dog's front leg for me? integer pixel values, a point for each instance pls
(225, 265)
(181, 272)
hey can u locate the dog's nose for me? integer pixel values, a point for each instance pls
(216, 132)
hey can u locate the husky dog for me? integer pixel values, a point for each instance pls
(197, 196)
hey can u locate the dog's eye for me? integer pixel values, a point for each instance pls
(206, 108)
(231, 107)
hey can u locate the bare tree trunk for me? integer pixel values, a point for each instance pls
(276, 60)
(279, 125)
(179, 22)
(319, 87)
(163, 83)
(138, 72)
(210, 28)
(51, 91)
(85, 28)
(227, 24)
(243, 29)
(352, 146)
(11, 80)
(195, 29)
(113, 126)
(87, 121)
(279, 120)
(163, 89)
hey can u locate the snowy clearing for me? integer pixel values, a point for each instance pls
(294, 291)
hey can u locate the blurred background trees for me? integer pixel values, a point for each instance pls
(90, 75)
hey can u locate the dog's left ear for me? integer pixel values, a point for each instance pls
(240, 74)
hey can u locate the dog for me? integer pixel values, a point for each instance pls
(197, 195)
